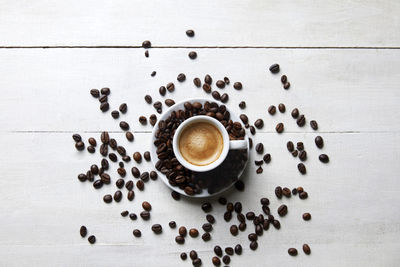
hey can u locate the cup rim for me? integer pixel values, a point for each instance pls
(211, 166)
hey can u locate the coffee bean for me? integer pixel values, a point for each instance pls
(259, 123)
(118, 196)
(206, 207)
(244, 118)
(324, 158)
(260, 148)
(113, 143)
(259, 170)
(146, 44)
(303, 195)
(115, 114)
(169, 102)
(107, 198)
(206, 237)
(97, 184)
(82, 177)
(135, 172)
(105, 178)
(282, 108)
(95, 93)
(182, 231)
(113, 157)
(216, 261)
(295, 113)
(137, 157)
(153, 119)
(129, 185)
(242, 226)
(131, 195)
(83, 231)
(123, 108)
(162, 90)
(192, 55)
(306, 249)
(234, 230)
(286, 192)
(306, 216)
(227, 216)
(175, 195)
(300, 189)
(279, 127)
(124, 125)
(105, 91)
(272, 110)
(193, 254)
(294, 191)
(142, 120)
(250, 215)
(242, 105)
(241, 218)
(224, 98)
(146, 205)
(80, 145)
(252, 131)
(207, 227)
(153, 73)
(238, 85)
(283, 79)
(300, 146)
(145, 215)
(226, 259)
(197, 82)
(207, 88)
(295, 153)
(302, 168)
(220, 84)
(146, 53)
(292, 251)
(274, 68)
(148, 99)
(226, 80)
(104, 106)
(267, 158)
(120, 183)
(210, 218)
(140, 185)
(303, 155)
(238, 207)
(190, 33)
(253, 245)
(258, 162)
(170, 87)
(193, 232)
(180, 240)
(222, 200)
(103, 99)
(208, 79)
(278, 192)
(286, 85)
(137, 233)
(216, 95)
(92, 239)
(133, 216)
(314, 125)
(218, 251)
(76, 137)
(282, 210)
(276, 224)
(319, 142)
(156, 228)
(181, 77)
(121, 150)
(229, 251)
(301, 121)
(124, 213)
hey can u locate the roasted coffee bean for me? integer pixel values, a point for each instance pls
(153, 73)
(113, 143)
(179, 239)
(137, 233)
(276, 224)
(283, 79)
(302, 168)
(258, 162)
(92, 141)
(76, 137)
(137, 157)
(140, 185)
(104, 106)
(279, 127)
(252, 131)
(105, 178)
(226, 259)
(300, 146)
(282, 210)
(83, 231)
(115, 114)
(252, 237)
(272, 110)
(224, 98)
(124, 213)
(239, 185)
(229, 207)
(142, 120)
(113, 157)
(145, 215)
(300, 189)
(324, 158)
(182, 231)
(135, 172)
(264, 201)
(121, 150)
(92, 239)
(97, 184)
(294, 191)
(156, 228)
(208, 79)
(146, 44)
(169, 102)
(260, 148)
(303, 195)
(129, 185)
(314, 125)
(146, 53)
(229, 251)
(133, 216)
(286, 192)
(172, 224)
(124, 125)
(146, 155)
(190, 33)
(253, 245)
(120, 183)
(259, 170)
(123, 108)
(286, 85)
(175, 195)
(259, 229)
(148, 99)
(162, 90)
(242, 226)
(250, 215)
(206, 237)
(242, 105)
(301, 121)
(220, 84)
(295, 153)
(193, 254)
(193, 232)
(306, 249)
(192, 55)
(244, 118)
(259, 123)
(82, 177)
(226, 80)
(282, 108)
(118, 196)
(238, 85)
(267, 158)
(153, 119)
(234, 230)
(170, 87)
(292, 251)
(274, 68)
(241, 218)
(197, 82)
(207, 227)
(183, 255)
(266, 210)
(210, 218)
(278, 192)
(103, 99)
(306, 216)
(80, 145)
(319, 142)
(290, 146)
(146, 205)
(303, 155)
(216, 261)
(91, 149)
(206, 207)
(131, 195)
(216, 95)
(107, 198)
(105, 91)
(218, 251)
(95, 93)
(121, 164)
(181, 77)
(222, 200)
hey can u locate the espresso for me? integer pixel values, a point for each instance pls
(201, 143)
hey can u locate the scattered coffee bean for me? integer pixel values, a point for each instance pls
(301, 121)
(207, 88)
(207, 227)
(238, 207)
(140, 185)
(179, 239)
(131, 195)
(146, 44)
(295, 153)
(220, 84)
(137, 157)
(216, 261)
(197, 82)
(142, 120)
(190, 33)
(234, 230)
(276, 224)
(226, 80)
(83, 231)
(303, 155)
(302, 168)
(181, 77)
(148, 99)
(120, 183)
(294, 191)
(206, 207)
(103, 99)
(169, 102)
(238, 85)
(97, 184)
(286, 85)
(133, 216)
(283, 79)
(210, 218)
(260, 148)
(76, 137)
(137, 233)
(124, 125)
(92, 239)
(282, 210)
(218, 251)
(319, 142)
(229, 251)
(193, 232)
(118, 196)
(324, 158)
(274, 68)
(306, 216)
(292, 251)
(95, 93)
(259, 123)
(113, 157)
(153, 73)
(244, 118)
(124, 213)
(123, 108)
(146, 205)
(115, 114)
(153, 119)
(258, 162)
(80, 145)
(253, 245)
(135, 172)
(216, 95)
(156, 228)
(208, 79)
(300, 189)
(129, 185)
(314, 125)
(183, 256)
(226, 259)
(175, 195)
(162, 90)
(224, 98)
(104, 106)
(279, 127)
(278, 192)
(170, 87)
(192, 55)
(303, 195)
(206, 237)
(282, 108)
(145, 215)
(272, 110)
(300, 146)
(259, 170)
(242, 105)
(295, 113)
(286, 192)
(267, 158)
(264, 201)
(222, 201)
(306, 249)
(107, 198)
(182, 231)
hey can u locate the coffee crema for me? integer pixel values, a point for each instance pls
(201, 143)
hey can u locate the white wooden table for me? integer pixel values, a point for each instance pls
(342, 59)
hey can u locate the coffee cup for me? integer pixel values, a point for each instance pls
(201, 143)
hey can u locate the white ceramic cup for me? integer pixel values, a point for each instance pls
(227, 144)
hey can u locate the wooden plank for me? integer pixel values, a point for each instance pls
(344, 90)
(355, 218)
(220, 23)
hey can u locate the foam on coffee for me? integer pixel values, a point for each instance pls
(201, 143)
